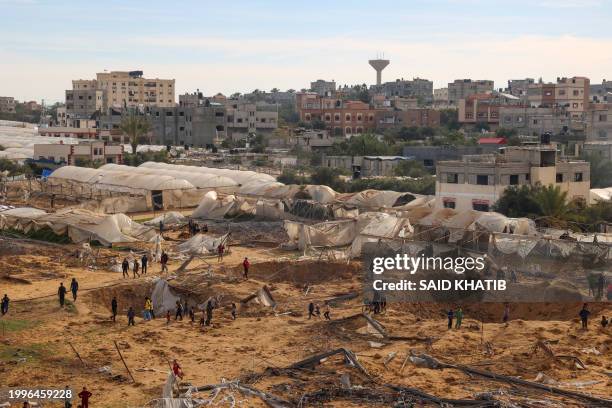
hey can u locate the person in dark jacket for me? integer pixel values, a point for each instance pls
(450, 314)
(4, 305)
(85, 396)
(61, 293)
(74, 287)
(584, 316)
(131, 314)
(144, 261)
(125, 267)
(114, 308)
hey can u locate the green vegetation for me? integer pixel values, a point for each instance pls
(549, 206)
(135, 127)
(601, 171)
(411, 168)
(32, 352)
(15, 169)
(142, 157)
(9, 325)
(290, 176)
(424, 185)
(80, 162)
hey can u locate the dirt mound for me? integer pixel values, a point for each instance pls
(303, 272)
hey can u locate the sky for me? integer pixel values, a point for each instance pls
(239, 46)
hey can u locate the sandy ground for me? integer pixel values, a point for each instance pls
(37, 335)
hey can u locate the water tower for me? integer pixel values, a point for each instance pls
(379, 65)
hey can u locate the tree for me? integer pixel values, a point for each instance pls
(274, 90)
(410, 168)
(506, 132)
(450, 119)
(235, 95)
(135, 127)
(328, 177)
(289, 176)
(480, 126)
(518, 202)
(318, 124)
(601, 170)
(552, 201)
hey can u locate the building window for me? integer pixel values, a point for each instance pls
(452, 178)
(480, 207)
(348, 130)
(514, 179)
(359, 117)
(448, 203)
(603, 118)
(327, 117)
(337, 117)
(527, 177)
(168, 113)
(347, 117)
(482, 179)
(559, 178)
(428, 163)
(307, 116)
(577, 177)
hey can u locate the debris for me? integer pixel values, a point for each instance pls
(312, 362)
(345, 380)
(375, 344)
(124, 363)
(389, 358)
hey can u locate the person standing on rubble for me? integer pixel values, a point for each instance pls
(114, 308)
(233, 311)
(74, 287)
(459, 316)
(4, 306)
(245, 266)
(125, 267)
(147, 307)
(209, 312)
(506, 316)
(601, 284)
(131, 314)
(135, 269)
(450, 314)
(584, 316)
(220, 250)
(179, 311)
(161, 228)
(144, 261)
(327, 311)
(164, 262)
(311, 309)
(85, 396)
(61, 293)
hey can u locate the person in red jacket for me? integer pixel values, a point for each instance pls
(177, 370)
(245, 265)
(84, 396)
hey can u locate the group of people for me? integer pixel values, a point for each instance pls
(62, 290)
(315, 311)
(194, 228)
(143, 265)
(455, 314)
(597, 283)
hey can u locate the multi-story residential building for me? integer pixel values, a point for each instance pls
(365, 166)
(415, 88)
(323, 88)
(601, 93)
(407, 118)
(244, 118)
(599, 148)
(430, 155)
(570, 93)
(83, 103)
(315, 140)
(201, 126)
(7, 104)
(519, 87)
(71, 154)
(598, 122)
(440, 98)
(462, 88)
(129, 89)
(477, 182)
(341, 117)
(484, 108)
(60, 116)
(76, 133)
(32, 106)
(528, 120)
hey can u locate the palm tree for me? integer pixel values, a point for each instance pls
(135, 127)
(552, 202)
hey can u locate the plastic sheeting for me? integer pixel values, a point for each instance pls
(215, 208)
(80, 225)
(201, 244)
(375, 198)
(163, 298)
(170, 219)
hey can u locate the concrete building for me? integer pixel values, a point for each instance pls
(570, 93)
(200, 126)
(440, 98)
(315, 140)
(519, 87)
(129, 88)
(60, 116)
(462, 88)
(323, 88)
(7, 104)
(72, 154)
(601, 93)
(244, 118)
(415, 88)
(341, 117)
(365, 166)
(429, 156)
(83, 103)
(477, 182)
(76, 133)
(484, 108)
(411, 117)
(535, 121)
(599, 148)
(598, 122)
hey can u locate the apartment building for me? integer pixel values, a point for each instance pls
(462, 88)
(129, 89)
(570, 93)
(88, 133)
(601, 93)
(365, 166)
(83, 103)
(323, 88)
(407, 118)
(7, 104)
(476, 182)
(440, 98)
(519, 87)
(533, 121)
(341, 118)
(415, 88)
(315, 140)
(484, 108)
(244, 118)
(72, 154)
(201, 126)
(598, 122)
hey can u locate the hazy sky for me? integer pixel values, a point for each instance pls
(228, 46)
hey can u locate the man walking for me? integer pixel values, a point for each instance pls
(209, 311)
(311, 309)
(74, 287)
(584, 316)
(125, 267)
(114, 308)
(131, 314)
(61, 293)
(144, 261)
(179, 311)
(220, 250)
(245, 266)
(4, 306)
(459, 316)
(164, 262)
(135, 269)
(450, 316)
